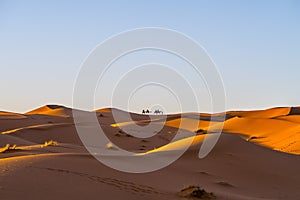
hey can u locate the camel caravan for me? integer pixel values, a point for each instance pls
(156, 111)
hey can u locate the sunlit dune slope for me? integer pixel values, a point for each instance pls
(10, 115)
(269, 113)
(277, 134)
(52, 110)
(180, 144)
(103, 110)
(191, 124)
(195, 142)
(275, 128)
(290, 118)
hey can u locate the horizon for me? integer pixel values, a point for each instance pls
(230, 110)
(43, 50)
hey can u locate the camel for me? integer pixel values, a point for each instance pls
(158, 112)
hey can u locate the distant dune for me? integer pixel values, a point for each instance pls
(269, 113)
(10, 115)
(52, 110)
(256, 157)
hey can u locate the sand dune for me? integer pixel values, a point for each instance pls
(291, 118)
(189, 124)
(10, 115)
(63, 132)
(245, 164)
(52, 110)
(276, 134)
(8, 139)
(105, 110)
(269, 113)
(35, 127)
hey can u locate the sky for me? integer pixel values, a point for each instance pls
(254, 44)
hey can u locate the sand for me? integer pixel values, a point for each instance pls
(256, 157)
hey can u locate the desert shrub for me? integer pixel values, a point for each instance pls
(7, 148)
(118, 134)
(4, 149)
(50, 143)
(195, 192)
(111, 146)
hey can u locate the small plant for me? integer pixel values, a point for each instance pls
(118, 134)
(4, 149)
(111, 146)
(7, 148)
(50, 143)
(195, 192)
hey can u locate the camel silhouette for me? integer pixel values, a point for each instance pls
(158, 112)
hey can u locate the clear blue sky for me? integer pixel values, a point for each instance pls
(255, 44)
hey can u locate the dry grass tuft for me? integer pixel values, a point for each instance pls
(8, 148)
(50, 143)
(111, 146)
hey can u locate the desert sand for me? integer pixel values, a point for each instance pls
(256, 157)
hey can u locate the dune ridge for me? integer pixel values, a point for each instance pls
(52, 110)
(10, 115)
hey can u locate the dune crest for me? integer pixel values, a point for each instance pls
(10, 115)
(268, 113)
(52, 110)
